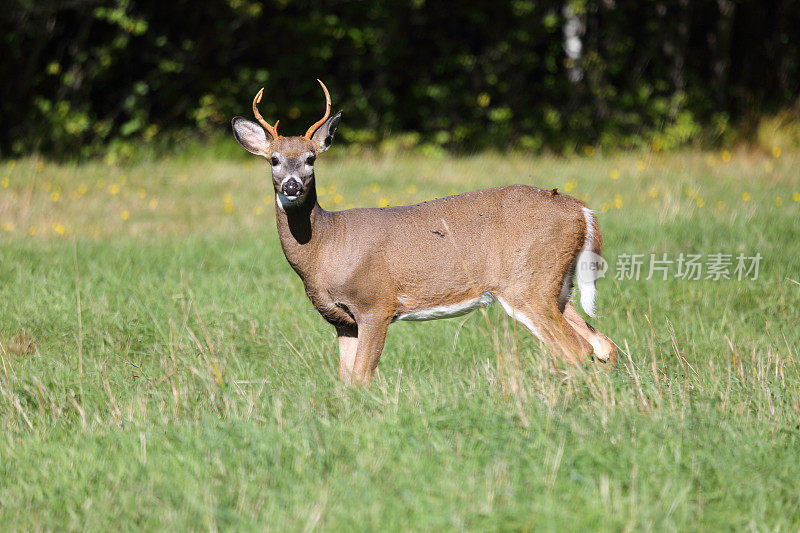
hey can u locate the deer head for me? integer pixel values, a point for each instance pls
(291, 158)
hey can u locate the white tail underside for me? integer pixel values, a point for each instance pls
(586, 280)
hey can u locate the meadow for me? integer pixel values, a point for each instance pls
(162, 368)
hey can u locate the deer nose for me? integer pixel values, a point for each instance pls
(292, 187)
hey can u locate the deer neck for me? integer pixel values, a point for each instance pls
(301, 229)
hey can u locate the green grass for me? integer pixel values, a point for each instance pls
(194, 387)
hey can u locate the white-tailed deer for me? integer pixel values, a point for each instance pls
(365, 268)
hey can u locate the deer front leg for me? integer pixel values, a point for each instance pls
(371, 336)
(348, 344)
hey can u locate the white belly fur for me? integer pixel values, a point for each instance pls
(446, 311)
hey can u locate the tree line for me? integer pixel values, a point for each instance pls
(80, 75)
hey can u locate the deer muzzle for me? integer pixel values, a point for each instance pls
(292, 187)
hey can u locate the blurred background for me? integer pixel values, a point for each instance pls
(83, 77)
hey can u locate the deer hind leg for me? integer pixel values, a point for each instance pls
(603, 348)
(549, 325)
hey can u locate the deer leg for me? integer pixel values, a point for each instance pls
(550, 326)
(348, 344)
(602, 346)
(371, 337)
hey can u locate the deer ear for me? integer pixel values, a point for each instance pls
(323, 137)
(251, 136)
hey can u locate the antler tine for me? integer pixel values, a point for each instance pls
(273, 130)
(321, 121)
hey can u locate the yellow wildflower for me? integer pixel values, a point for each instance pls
(726, 155)
(59, 228)
(82, 188)
(776, 152)
(383, 202)
(153, 203)
(374, 187)
(8, 226)
(700, 202)
(796, 196)
(588, 150)
(56, 195)
(745, 196)
(768, 167)
(614, 174)
(125, 215)
(4, 182)
(778, 201)
(411, 189)
(640, 165)
(141, 193)
(113, 189)
(617, 201)
(653, 192)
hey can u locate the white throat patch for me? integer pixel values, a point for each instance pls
(285, 201)
(288, 201)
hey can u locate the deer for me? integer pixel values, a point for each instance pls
(365, 268)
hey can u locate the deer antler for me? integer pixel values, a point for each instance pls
(273, 130)
(321, 121)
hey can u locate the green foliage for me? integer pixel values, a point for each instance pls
(487, 74)
(781, 130)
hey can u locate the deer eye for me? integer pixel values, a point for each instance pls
(274, 161)
(310, 160)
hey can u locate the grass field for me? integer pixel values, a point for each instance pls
(161, 367)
